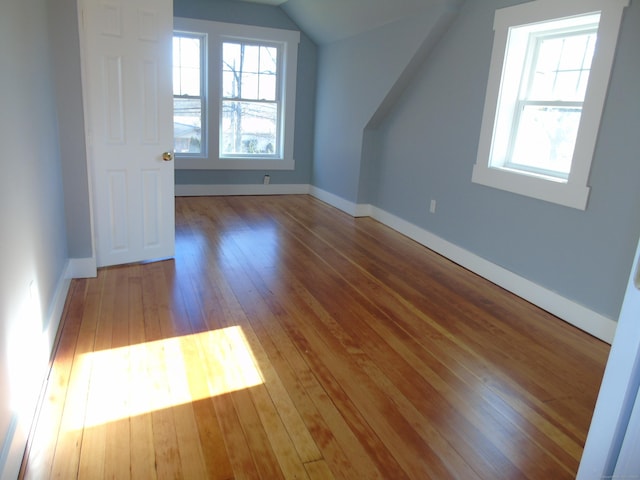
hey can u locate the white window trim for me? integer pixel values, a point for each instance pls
(217, 33)
(575, 191)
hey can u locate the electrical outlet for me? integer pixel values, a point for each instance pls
(432, 206)
(266, 180)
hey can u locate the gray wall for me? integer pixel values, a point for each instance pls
(428, 147)
(66, 56)
(272, 17)
(32, 213)
(355, 76)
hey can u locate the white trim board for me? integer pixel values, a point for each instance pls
(14, 444)
(81, 268)
(353, 209)
(225, 190)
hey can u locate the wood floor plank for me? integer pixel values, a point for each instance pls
(117, 456)
(175, 325)
(289, 340)
(141, 424)
(66, 457)
(319, 470)
(335, 331)
(300, 436)
(43, 439)
(165, 444)
(346, 453)
(329, 430)
(101, 409)
(255, 307)
(354, 314)
(214, 455)
(351, 282)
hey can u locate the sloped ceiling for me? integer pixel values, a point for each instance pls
(327, 21)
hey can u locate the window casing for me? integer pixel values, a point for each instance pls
(548, 78)
(250, 89)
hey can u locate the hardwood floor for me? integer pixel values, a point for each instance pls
(288, 340)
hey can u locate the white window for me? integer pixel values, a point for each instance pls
(189, 105)
(250, 111)
(249, 83)
(547, 85)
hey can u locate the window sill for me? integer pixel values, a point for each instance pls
(561, 193)
(191, 163)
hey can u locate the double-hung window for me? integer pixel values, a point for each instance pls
(547, 84)
(250, 107)
(189, 106)
(248, 88)
(548, 109)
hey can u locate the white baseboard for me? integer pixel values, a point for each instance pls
(57, 308)
(340, 203)
(224, 190)
(81, 268)
(12, 449)
(577, 315)
(573, 313)
(15, 441)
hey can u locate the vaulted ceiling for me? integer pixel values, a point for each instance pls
(327, 21)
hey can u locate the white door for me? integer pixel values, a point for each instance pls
(612, 446)
(127, 76)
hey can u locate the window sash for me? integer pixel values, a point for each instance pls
(191, 127)
(554, 163)
(258, 73)
(536, 41)
(259, 143)
(514, 158)
(263, 140)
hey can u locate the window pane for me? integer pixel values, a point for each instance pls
(187, 125)
(562, 66)
(230, 85)
(249, 128)
(545, 138)
(186, 66)
(267, 87)
(573, 52)
(249, 86)
(566, 86)
(268, 59)
(249, 72)
(231, 56)
(190, 52)
(251, 58)
(189, 82)
(176, 81)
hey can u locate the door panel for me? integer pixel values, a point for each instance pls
(152, 197)
(127, 73)
(118, 206)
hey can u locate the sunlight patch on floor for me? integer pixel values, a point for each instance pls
(152, 376)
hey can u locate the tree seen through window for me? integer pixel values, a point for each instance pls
(250, 100)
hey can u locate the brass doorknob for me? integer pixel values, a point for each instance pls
(167, 156)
